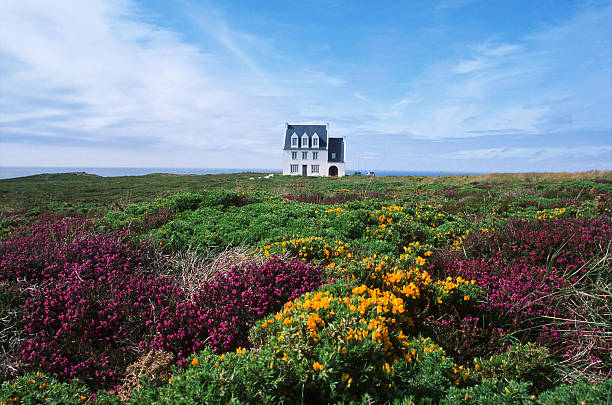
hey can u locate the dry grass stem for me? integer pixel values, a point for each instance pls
(191, 268)
(154, 365)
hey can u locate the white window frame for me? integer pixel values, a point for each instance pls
(315, 155)
(305, 138)
(293, 155)
(314, 168)
(304, 155)
(294, 168)
(315, 140)
(294, 140)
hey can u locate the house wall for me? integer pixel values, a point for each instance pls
(341, 168)
(321, 161)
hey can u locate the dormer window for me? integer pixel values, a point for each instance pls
(315, 141)
(294, 140)
(304, 141)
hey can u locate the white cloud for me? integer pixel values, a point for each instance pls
(406, 100)
(498, 50)
(529, 154)
(86, 73)
(360, 96)
(555, 80)
(468, 66)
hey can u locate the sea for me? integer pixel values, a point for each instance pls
(8, 172)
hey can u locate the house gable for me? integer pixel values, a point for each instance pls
(309, 130)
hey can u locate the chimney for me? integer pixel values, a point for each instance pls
(286, 125)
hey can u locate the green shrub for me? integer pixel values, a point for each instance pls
(513, 392)
(37, 388)
(522, 362)
(183, 202)
(581, 392)
(230, 379)
(268, 376)
(490, 392)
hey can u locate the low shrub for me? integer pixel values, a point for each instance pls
(491, 392)
(43, 252)
(463, 336)
(522, 363)
(270, 376)
(513, 392)
(581, 392)
(92, 328)
(533, 274)
(235, 300)
(37, 388)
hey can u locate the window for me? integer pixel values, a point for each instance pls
(294, 168)
(315, 155)
(315, 141)
(304, 141)
(314, 168)
(304, 155)
(294, 155)
(333, 155)
(294, 141)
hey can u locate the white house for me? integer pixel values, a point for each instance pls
(309, 151)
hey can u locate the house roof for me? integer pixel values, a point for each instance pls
(310, 130)
(336, 145)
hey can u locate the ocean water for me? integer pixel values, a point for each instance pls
(13, 172)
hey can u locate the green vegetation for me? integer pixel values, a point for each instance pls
(85, 193)
(222, 289)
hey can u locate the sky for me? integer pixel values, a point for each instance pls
(450, 85)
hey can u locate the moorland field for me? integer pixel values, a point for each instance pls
(488, 289)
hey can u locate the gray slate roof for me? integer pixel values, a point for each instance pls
(336, 145)
(310, 130)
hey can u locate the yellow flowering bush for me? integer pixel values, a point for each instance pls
(354, 335)
(313, 249)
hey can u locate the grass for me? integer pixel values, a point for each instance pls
(87, 193)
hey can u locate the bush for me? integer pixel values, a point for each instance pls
(235, 300)
(87, 303)
(492, 392)
(522, 363)
(37, 388)
(92, 328)
(513, 392)
(530, 272)
(269, 376)
(581, 392)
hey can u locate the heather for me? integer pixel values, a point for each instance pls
(90, 302)
(395, 290)
(533, 274)
(224, 309)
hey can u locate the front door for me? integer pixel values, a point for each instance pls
(304, 170)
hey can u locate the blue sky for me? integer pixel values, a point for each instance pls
(453, 85)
